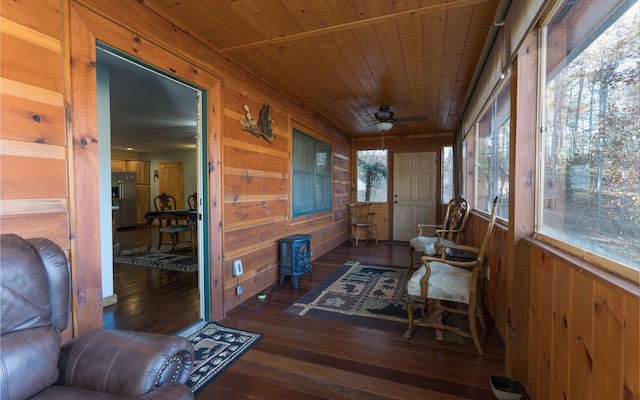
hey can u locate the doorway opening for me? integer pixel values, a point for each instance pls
(148, 120)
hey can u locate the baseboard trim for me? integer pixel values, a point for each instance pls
(109, 300)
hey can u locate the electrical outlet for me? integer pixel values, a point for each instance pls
(239, 290)
(237, 268)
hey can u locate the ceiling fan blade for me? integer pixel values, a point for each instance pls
(416, 118)
(400, 126)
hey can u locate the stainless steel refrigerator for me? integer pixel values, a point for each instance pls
(123, 195)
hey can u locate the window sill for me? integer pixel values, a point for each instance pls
(593, 271)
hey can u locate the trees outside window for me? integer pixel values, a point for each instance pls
(447, 174)
(492, 154)
(372, 175)
(590, 190)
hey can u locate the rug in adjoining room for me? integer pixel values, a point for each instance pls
(216, 348)
(372, 296)
(179, 260)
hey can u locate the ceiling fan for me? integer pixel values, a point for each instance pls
(386, 121)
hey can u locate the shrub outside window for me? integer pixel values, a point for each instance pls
(492, 154)
(372, 175)
(590, 186)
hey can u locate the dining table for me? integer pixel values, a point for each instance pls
(189, 216)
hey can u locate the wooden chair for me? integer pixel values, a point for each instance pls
(451, 230)
(440, 279)
(362, 217)
(193, 201)
(165, 202)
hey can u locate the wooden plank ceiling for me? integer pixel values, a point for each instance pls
(342, 59)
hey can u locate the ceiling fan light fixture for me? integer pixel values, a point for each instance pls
(384, 126)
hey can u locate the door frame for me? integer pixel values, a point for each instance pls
(84, 28)
(203, 286)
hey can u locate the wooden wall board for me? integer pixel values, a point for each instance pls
(43, 16)
(609, 341)
(561, 315)
(31, 121)
(32, 177)
(256, 258)
(534, 328)
(32, 149)
(239, 213)
(237, 239)
(237, 157)
(631, 367)
(50, 225)
(43, 69)
(246, 184)
(33, 206)
(545, 305)
(580, 383)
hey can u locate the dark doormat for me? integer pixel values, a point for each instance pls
(216, 348)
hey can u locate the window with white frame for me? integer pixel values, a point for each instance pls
(372, 175)
(311, 174)
(589, 195)
(492, 154)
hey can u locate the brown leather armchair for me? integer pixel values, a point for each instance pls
(98, 364)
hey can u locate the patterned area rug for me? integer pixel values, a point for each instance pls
(178, 260)
(216, 348)
(372, 296)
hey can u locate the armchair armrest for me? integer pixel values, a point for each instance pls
(422, 226)
(125, 362)
(439, 232)
(461, 247)
(461, 264)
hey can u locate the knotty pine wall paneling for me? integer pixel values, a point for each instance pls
(254, 191)
(45, 168)
(583, 329)
(33, 144)
(257, 191)
(252, 175)
(34, 195)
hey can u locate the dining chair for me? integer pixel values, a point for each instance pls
(450, 231)
(165, 202)
(440, 282)
(193, 201)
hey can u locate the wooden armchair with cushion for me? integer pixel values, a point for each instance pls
(440, 279)
(451, 230)
(362, 220)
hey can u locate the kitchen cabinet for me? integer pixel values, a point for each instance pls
(118, 165)
(141, 168)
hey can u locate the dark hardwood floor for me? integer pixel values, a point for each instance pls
(149, 299)
(306, 358)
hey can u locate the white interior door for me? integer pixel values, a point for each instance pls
(414, 193)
